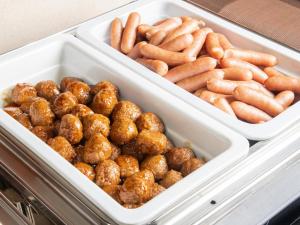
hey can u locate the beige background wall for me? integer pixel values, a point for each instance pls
(24, 21)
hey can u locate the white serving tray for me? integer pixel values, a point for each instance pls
(96, 33)
(64, 55)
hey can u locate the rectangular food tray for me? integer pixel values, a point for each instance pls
(96, 33)
(64, 55)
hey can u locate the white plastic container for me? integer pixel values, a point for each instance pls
(65, 55)
(96, 33)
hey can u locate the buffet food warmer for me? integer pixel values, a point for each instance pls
(47, 190)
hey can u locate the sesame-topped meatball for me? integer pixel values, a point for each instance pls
(64, 103)
(22, 93)
(71, 128)
(80, 90)
(123, 131)
(104, 102)
(62, 147)
(107, 173)
(151, 142)
(177, 156)
(149, 121)
(40, 113)
(126, 109)
(47, 89)
(95, 123)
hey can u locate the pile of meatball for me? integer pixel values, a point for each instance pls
(111, 141)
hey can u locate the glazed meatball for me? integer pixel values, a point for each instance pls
(151, 142)
(115, 151)
(113, 190)
(96, 149)
(191, 165)
(104, 85)
(43, 132)
(104, 102)
(95, 123)
(170, 178)
(25, 106)
(71, 128)
(107, 173)
(80, 90)
(81, 111)
(126, 109)
(22, 93)
(177, 156)
(40, 113)
(157, 164)
(157, 189)
(62, 147)
(131, 149)
(64, 103)
(13, 111)
(137, 188)
(47, 89)
(149, 121)
(123, 131)
(128, 165)
(24, 119)
(86, 169)
(66, 81)
(79, 153)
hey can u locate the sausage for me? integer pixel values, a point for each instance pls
(190, 69)
(199, 39)
(166, 26)
(135, 52)
(236, 73)
(253, 57)
(129, 33)
(188, 18)
(159, 22)
(258, 75)
(179, 43)
(283, 83)
(249, 113)
(116, 33)
(187, 27)
(285, 98)
(258, 99)
(223, 104)
(143, 28)
(272, 72)
(171, 58)
(224, 42)
(156, 66)
(213, 46)
(210, 96)
(199, 81)
(158, 37)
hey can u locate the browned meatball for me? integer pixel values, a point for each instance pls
(80, 90)
(64, 103)
(157, 164)
(40, 113)
(131, 149)
(47, 89)
(62, 147)
(151, 142)
(86, 169)
(95, 123)
(113, 190)
(24, 119)
(13, 111)
(128, 165)
(191, 165)
(149, 121)
(137, 188)
(170, 178)
(104, 85)
(81, 111)
(132, 206)
(123, 131)
(71, 128)
(157, 189)
(177, 156)
(66, 81)
(56, 126)
(169, 145)
(22, 93)
(96, 149)
(107, 173)
(79, 153)
(25, 106)
(43, 132)
(115, 151)
(104, 102)
(126, 109)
